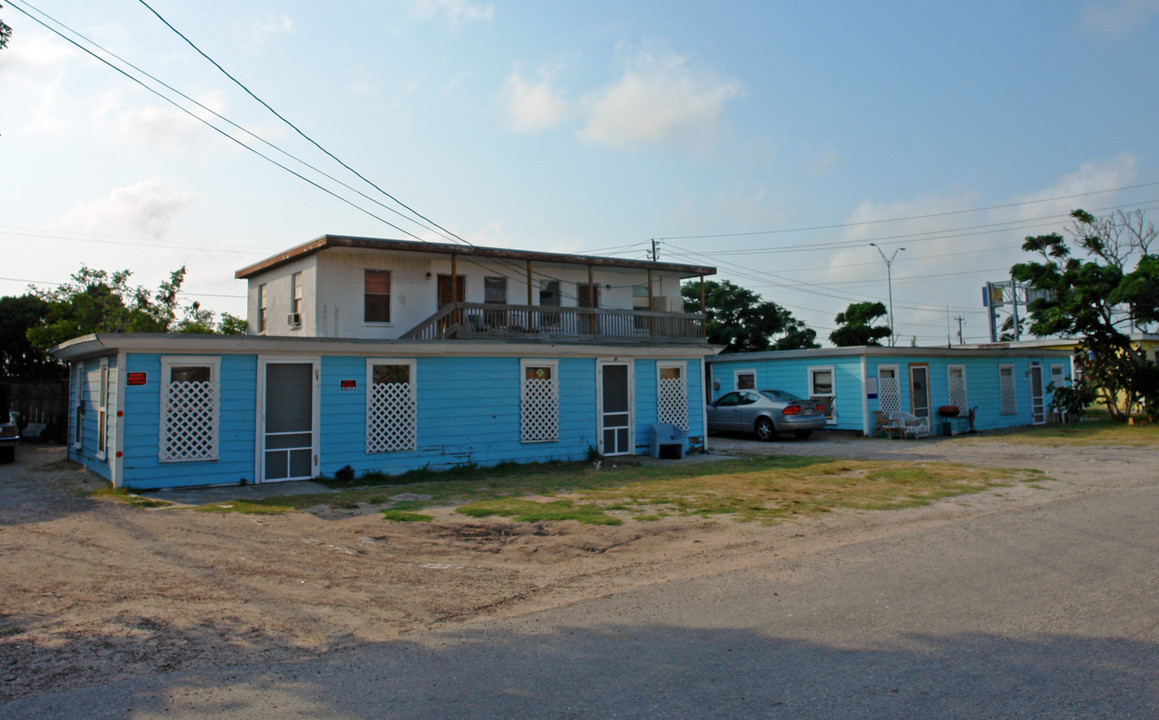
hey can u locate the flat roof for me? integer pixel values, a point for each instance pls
(104, 344)
(380, 244)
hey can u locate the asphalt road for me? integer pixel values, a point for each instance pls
(1044, 610)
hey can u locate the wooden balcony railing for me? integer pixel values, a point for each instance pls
(464, 320)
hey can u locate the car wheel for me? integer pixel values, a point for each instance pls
(803, 434)
(765, 429)
(7, 454)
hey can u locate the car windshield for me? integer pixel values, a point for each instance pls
(781, 395)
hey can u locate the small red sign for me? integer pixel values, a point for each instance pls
(348, 384)
(135, 378)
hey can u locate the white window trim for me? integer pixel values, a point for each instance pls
(213, 362)
(1013, 390)
(832, 370)
(965, 387)
(736, 378)
(523, 365)
(78, 433)
(896, 369)
(263, 308)
(103, 409)
(412, 366)
(683, 367)
(389, 322)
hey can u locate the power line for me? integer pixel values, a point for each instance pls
(295, 128)
(913, 217)
(211, 125)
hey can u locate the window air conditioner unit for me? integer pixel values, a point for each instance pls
(294, 319)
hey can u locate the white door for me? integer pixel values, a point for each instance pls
(289, 420)
(615, 408)
(1037, 403)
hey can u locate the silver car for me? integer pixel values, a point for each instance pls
(766, 413)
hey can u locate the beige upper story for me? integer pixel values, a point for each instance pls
(367, 288)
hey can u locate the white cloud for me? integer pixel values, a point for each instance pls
(660, 99)
(534, 106)
(825, 158)
(456, 12)
(1119, 17)
(144, 210)
(270, 26)
(1091, 177)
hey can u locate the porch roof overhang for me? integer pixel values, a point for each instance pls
(104, 344)
(326, 242)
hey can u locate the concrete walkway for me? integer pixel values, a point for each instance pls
(205, 496)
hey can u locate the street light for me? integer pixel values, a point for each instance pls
(889, 280)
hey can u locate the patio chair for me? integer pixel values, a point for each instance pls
(911, 425)
(882, 424)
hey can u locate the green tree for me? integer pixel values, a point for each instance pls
(18, 357)
(742, 322)
(1099, 299)
(5, 33)
(98, 301)
(855, 325)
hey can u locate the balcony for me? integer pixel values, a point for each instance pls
(487, 321)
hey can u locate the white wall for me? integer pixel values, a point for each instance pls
(333, 289)
(278, 298)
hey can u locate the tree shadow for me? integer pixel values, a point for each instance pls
(635, 672)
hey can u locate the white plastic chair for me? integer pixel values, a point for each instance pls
(911, 425)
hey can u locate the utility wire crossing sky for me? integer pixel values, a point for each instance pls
(774, 141)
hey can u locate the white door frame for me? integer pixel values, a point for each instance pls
(1037, 401)
(260, 431)
(630, 379)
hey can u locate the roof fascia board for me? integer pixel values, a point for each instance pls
(870, 351)
(106, 344)
(326, 242)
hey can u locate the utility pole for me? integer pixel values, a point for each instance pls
(654, 254)
(889, 280)
(961, 320)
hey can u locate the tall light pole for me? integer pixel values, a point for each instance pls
(889, 280)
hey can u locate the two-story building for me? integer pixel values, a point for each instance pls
(389, 355)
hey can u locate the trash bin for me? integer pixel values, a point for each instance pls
(667, 441)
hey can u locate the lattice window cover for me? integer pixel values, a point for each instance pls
(539, 417)
(1006, 390)
(390, 418)
(189, 421)
(888, 394)
(827, 403)
(672, 401)
(958, 390)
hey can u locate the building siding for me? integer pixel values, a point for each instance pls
(982, 383)
(467, 412)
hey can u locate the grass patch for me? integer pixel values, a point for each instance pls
(259, 507)
(405, 515)
(530, 511)
(749, 489)
(121, 495)
(1099, 430)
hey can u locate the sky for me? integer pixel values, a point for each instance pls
(772, 140)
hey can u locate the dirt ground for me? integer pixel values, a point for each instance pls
(92, 590)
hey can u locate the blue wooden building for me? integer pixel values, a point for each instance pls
(1007, 386)
(389, 356)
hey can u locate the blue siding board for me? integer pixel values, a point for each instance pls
(468, 411)
(982, 382)
(142, 469)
